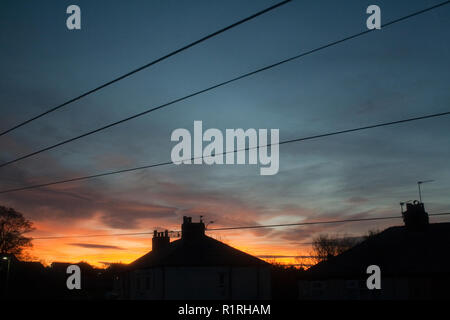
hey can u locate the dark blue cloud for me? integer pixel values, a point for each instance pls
(399, 72)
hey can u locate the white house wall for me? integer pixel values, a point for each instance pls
(184, 283)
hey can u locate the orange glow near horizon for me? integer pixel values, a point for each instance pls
(281, 245)
(98, 251)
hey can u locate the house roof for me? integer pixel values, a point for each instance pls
(201, 251)
(396, 250)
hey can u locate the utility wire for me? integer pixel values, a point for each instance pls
(296, 265)
(147, 65)
(316, 222)
(334, 43)
(93, 235)
(241, 227)
(227, 152)
(268, 256)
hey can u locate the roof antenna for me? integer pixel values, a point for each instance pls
(420, 191)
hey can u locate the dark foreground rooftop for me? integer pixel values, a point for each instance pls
(398, 251)
(201, 251)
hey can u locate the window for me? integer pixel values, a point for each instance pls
(147, 283)
(221, 279)
(318, 288)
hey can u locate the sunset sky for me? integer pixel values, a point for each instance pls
(399, 72)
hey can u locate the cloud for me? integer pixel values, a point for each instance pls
(95, 246)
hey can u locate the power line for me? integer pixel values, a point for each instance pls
(268, 256)
(435, 115)
(316, 222)
(296, 265)
(147, 65)
(227, 152)
(93, 235)
(241, 227)
(216, 86)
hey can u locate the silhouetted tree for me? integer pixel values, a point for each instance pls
(371, 234)
(13, 226)
(325, 247)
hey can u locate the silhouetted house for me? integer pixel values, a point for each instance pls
(61, 267)
(414, 261)
(20, 279)
(95, 283)
(31, 280)
(194, 267)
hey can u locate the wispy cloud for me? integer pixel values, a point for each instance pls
(95, 246)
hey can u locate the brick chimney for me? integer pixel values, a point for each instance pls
(192, 230)
(160, 240)
(415, 216)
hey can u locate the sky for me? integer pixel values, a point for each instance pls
(398, 72)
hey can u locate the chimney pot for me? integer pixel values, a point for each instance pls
(160, 240)
(190, 230)
(415, 216)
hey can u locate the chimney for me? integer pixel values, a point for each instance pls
(415, 216)
(192, 230)
(160, 240)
